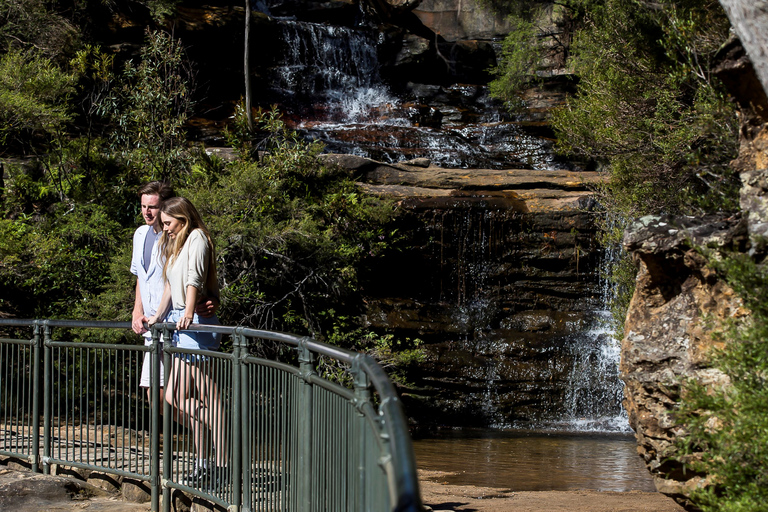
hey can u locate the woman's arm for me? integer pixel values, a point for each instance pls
(189, 308)
(162, 308)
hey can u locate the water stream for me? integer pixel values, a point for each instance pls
(328, 80)
(534, 461)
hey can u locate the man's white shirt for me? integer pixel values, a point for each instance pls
(151, 282)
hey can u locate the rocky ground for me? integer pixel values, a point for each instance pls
(22, 491)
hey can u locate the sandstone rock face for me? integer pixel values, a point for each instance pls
(678, 305)
(461, 19)
(499, 279)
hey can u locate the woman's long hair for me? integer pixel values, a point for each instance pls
(182, 209)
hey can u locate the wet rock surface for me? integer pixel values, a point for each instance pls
(500, 281)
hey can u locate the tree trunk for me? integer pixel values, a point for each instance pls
(749, 19)
(247, 65)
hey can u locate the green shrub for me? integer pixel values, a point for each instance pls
(148, 109)
(34, 97)
(49, 264)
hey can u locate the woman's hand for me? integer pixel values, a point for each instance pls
(184, 322)
(152, 321)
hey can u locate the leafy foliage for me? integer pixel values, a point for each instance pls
(538, 39)
(648, 110)
(34, 97)
(150, 107)
(727, 427)
(49, 264)
(32, 26)
(520, 54)
(291, 233)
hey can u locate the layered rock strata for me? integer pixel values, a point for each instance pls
(499, 279)
(677, 309)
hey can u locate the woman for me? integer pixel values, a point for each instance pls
(190, 272)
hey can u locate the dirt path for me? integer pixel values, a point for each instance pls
(458, 498)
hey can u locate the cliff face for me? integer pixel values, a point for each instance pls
(678, 305)
(500, 280)
(679, 302)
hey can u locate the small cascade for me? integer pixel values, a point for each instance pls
(595, 389)
(328, 77)
(333, 67)
(593, 399)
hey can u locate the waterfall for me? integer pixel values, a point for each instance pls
(334, 67)
(510, 315)
(329, 75)
(595, 392)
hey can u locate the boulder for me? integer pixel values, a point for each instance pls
(23, 491)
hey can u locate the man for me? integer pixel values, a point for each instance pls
(147, 265)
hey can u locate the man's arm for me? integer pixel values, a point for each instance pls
(137, 323)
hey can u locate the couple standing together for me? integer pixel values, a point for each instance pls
(174, 262)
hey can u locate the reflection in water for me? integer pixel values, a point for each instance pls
(525, 461)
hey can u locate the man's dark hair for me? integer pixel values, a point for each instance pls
(157, 188)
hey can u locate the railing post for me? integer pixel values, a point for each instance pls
(362, 396)
(47, 396)
(155, 425)
(240, 494)
(36, 379)
(306, 371)
(167, 429)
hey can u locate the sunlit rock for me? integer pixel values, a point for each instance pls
(671, 327)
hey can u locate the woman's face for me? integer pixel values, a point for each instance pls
(171, 225)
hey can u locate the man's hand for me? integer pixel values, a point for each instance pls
(137, 324)
(207, 306)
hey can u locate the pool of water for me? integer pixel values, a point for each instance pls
(531, 461)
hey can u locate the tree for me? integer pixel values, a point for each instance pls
(247, 65)
(150, 108)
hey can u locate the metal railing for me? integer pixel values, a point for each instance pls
(271, 433)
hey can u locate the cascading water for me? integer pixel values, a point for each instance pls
(328, 77)
(595, 391)
(335, 68)
(478, 252)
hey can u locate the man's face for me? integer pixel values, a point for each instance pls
(150, 209)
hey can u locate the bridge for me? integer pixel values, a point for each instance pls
(284, 423)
